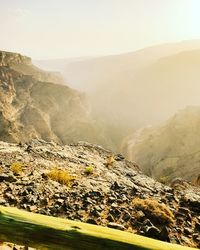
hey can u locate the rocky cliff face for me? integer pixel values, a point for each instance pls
(34, 105)
(99, 187)
(23, 65)
(9, 58)
(171, 149)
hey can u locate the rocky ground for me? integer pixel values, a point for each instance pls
(104, 189)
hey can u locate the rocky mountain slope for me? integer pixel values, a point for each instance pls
(99, 187)
(171, 149)
(23, 65)
(35, 104)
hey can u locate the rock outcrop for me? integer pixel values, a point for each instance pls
(10, 58)
(34, 105)
(100, 188)
(23, 65)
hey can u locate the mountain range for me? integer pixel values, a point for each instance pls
(138, 88)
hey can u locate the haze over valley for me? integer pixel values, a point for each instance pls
(139, 89)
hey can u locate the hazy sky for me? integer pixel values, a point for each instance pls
(72, 28)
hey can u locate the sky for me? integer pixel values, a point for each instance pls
(47, 29)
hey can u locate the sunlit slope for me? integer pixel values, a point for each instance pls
(171, 149)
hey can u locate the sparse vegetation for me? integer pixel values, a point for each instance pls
(17, 168)
(61, 176)
(1, 170)
(197, 181)
(109, 161)
(163, 179)
(89, 170)
(155, 210)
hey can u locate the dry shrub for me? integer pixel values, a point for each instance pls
(89, 170)
(163, 179)
(16, 168)
(61, 176)
(197, 181)
(1, 169)
(109, 161)
(152, 208)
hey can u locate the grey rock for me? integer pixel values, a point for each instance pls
(116, 226)
(197, 226)
(7, 177)
(126, 216)
(95, 213)
(188, 231)
(164, 234)
(119, 157)
(60, 202)
(91, 221)
(110, 218)
(2, 201)
(152, 231)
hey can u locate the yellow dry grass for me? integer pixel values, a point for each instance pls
(154, 209)
(16, 168)
(61, 176)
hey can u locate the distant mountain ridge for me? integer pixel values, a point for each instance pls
(91, 68)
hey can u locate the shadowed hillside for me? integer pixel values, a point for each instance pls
(169, 150)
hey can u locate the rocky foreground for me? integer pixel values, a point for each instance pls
(100, 188)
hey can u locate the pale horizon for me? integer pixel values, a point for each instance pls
(51, 29)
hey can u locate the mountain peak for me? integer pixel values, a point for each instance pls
(10, 58)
